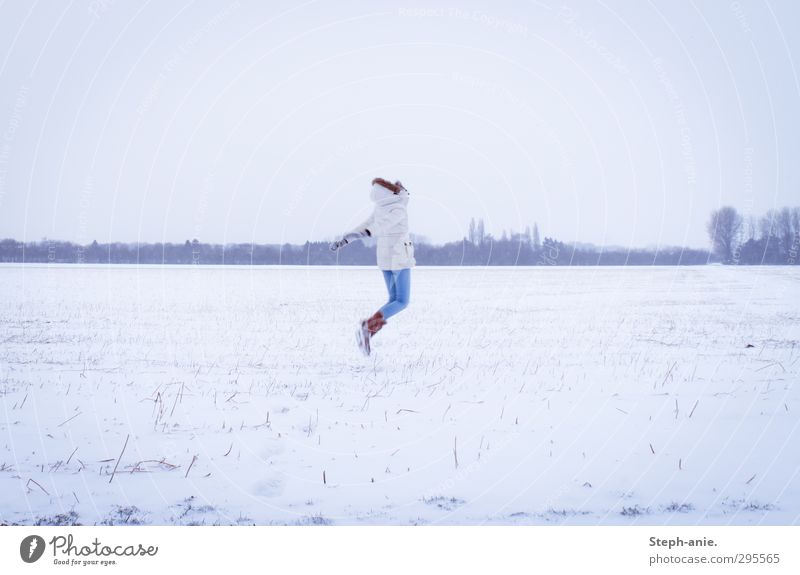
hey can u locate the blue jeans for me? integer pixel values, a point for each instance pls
(398, 284)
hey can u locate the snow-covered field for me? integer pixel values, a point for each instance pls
(500, 396)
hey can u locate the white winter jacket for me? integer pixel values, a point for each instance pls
(389, 225)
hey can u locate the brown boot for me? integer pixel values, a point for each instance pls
(375, 323)
(369, 327)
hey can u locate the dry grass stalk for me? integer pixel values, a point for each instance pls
(120, 457)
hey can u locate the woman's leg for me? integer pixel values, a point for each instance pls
(388, 278)
(399, 292)
(371, 326)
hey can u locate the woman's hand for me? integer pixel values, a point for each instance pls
(352, 236)
(338, 244)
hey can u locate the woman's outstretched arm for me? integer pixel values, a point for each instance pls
(360, 231)
(364, 227)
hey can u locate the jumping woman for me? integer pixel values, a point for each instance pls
(389, 224)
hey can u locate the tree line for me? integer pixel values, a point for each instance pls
(772, 239)
(479, 248)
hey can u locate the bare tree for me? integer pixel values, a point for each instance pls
(724, 228)
(781, 230)
(785, 230)
(767, 225)
(480, 232)
(751, 225)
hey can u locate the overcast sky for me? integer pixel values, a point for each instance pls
(617, 123)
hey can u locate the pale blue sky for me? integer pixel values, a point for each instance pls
(618, 123)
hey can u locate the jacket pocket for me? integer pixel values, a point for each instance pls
(409, 245)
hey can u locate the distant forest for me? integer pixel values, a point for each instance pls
(735, 239)
(773, 238)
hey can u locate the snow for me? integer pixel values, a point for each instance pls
(500, 396)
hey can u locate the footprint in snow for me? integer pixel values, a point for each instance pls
(269, 487)
(270, 452)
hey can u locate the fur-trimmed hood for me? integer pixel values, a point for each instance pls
(388, 224)
(382, 196)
